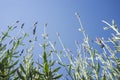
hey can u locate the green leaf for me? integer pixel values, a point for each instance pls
(104, 77)
(5, 34)
(5, 60)
(52, 63)
(46, 68)
(22, 68)
(56, 70)
(58, 76)
(13, 71)
(1, 67)
(3, 76)
(37, 72)
(45, 57)
(16, 44)
(9, 27)
(62, 64)
(40, 65)
(83, 78)
(12, 64)
(16, 78)
(3, 47)
(15, 53)
(69, 69)
(20, 75)
(116, 70)
(25, 35)
(98, 68)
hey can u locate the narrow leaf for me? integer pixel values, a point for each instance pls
(56, 70)
(58, 76)
(22, 68)
(46, 68)
(20, 75)
(13, 71)
(12, 64)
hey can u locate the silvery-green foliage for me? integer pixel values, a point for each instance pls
(90, 64)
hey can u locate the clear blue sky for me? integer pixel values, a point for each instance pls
(59, 14)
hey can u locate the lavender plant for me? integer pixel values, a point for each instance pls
(90, 64)
(46, 68)
(9, 55)
(17, 64)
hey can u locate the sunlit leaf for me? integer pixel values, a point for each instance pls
(46, 68)
(106, 28)
(56, 69)
(58, 76)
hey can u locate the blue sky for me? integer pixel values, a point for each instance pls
(60, 16)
